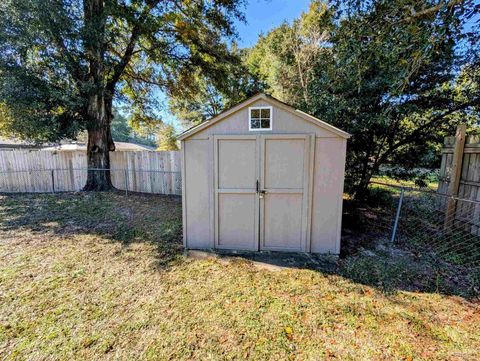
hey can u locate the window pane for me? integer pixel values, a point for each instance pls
(266, 113)
(265, 123)
(255, 113)
(255, 124)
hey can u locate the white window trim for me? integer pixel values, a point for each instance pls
(250, 118)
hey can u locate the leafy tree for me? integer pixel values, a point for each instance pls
(208, 96)
(166, 138)
(388, 72)
(122, 131)
(194, 107)
(63, 62)
(284, 59)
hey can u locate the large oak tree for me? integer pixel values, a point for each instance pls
(63, 63)
(398, 75)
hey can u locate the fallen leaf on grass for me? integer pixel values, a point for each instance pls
(288, 332)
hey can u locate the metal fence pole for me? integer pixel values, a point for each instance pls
(397, 216)
(53, 180)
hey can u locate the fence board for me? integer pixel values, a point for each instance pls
(469, 181)
(138, 171)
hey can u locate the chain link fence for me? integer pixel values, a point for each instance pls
(74, 179)
(438, 231)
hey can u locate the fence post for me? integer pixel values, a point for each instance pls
(126, 181)
(397, 216)
(455, 176)
(52, 173)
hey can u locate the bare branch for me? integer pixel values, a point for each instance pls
(429, 11)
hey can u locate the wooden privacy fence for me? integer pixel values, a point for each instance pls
(459, 178)
(49, 171)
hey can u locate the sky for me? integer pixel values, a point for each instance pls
(264, 15)
(261, 17)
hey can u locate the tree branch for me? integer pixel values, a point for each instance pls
(140, 78)
(434, 9)
(72, 65)
(119, 68)
(125, 59)
(424, 127)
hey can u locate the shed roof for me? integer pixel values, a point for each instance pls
(14, 143)
(262, 96)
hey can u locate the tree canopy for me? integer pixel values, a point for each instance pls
(391, 73)
(206, 96)
(122, 131)
(64, 62)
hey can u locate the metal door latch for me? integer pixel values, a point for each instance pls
(261, 192)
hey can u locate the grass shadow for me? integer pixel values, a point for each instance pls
(154, 219)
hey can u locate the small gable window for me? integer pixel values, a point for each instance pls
(260, 118)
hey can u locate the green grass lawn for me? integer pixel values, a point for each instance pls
(101, 276)
(432, 184)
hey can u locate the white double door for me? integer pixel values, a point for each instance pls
(261, 187)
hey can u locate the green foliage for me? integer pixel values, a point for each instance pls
(42, 101)
(284, 58)
(122, 131)
(194, 107)
(208, 96)
(385, 71)
(167, 139)
(34, 108)
(63, 62)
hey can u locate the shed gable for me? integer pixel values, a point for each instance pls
(285, 120)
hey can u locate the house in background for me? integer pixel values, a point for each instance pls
(13, 143)
(119, 146)
(16, 144)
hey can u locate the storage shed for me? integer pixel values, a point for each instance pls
(263, 176)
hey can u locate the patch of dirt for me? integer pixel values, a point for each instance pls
(271, 261)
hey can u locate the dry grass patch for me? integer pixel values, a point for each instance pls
(103, 277)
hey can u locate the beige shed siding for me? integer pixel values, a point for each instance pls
(197, 198)
(325, 181)
(327, 194)
(283, 123)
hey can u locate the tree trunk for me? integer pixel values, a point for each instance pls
(361, 188)
(99, 144)
(99, 105)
